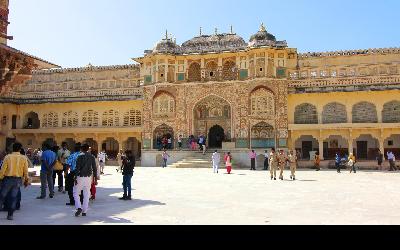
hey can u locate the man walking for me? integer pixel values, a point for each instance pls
(253, 156)
(266, 160)
(273, 163)
(338, 160)
(293, 164)
(282, 161)
(49, 159)
(69, 182)
(14, 171)
(102, 160)
(85, 173)
(392, 162)
(216, 160)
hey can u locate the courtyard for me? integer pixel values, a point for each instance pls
(199, 197)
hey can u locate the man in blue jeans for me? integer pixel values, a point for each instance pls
(13, 174)
(128, 166)
(46, 172)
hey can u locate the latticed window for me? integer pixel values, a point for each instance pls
(110, 118)
(262, 102)
(164, 106)
(70, 119)
(50, 120)
(133, 118)
(90, 119)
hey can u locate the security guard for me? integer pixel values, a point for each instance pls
(293, 164)
(282, 161)
(273, 163)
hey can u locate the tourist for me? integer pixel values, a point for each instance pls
(69, 183)
(392, 161)
(93, 188)
(273, 163)
(193, 142)
(165, 143)
(49, 159)
(165, 157)
(120, 157)
(292, 159)
(352, 163)
(201, 142)
(63, 155)
(266, 160)
(102, 160)
(379, 158)
(169, 142)
(317, 161)
(13, 173)
(338, 160)
(180, 142)
(85, 173)
(128, 167)
(282, 161)
(228, 162)
(253, 156)
(204, 147)
(216, 160)
(159, 144)
(58, 170)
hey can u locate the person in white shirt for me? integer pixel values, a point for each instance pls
(102, 160)
(266, 160)
(216, 160)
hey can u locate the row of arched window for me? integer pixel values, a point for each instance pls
(335, 113)
(91, 118)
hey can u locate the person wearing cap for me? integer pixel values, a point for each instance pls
(273, 163)
(282, 161)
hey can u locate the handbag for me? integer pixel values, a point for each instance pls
(58, 166)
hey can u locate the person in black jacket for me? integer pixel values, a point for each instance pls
(128, 165)
(85, 173)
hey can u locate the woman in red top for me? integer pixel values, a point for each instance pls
(228, 162)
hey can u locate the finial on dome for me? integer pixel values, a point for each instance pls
(216, 31)
(262, 27)
(166, 34)
(201, 32)
(231, 29)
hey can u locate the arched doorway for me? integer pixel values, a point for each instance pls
(162, 131)
(133, 145)
(31, 121)
(111, 146)
(216, 136)
(212, 117)
(92, 144)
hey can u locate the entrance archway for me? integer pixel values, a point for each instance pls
(31, 121)
(111, 146)
(162, 131)
(307, 145)
(216, 136)
(92, 144)
(133, 145)
(212, 116)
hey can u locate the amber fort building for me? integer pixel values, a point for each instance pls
(242, 94)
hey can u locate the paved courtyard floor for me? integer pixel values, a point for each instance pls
(199, 197)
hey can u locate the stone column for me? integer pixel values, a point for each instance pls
(321, 148)
(166, 70)
(350, 138)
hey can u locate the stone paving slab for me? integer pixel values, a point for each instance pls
(199, 197)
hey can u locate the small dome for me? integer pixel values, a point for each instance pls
(262, 38)
(214, 43)
(166, 45)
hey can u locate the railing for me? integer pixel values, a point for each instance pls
(344, 82)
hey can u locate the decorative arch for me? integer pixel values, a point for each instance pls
(50, 120)
(262, 135)
(164, 105)
(391, 112)
(133, 118)
(334, 113)
(160, 132)
(90, 118)
(262, 102)
(110, 118)
(229, 70)
(31, 121)
(306, 113)
(365, 112)
(70, 119)
(211, 70)
(194, 72)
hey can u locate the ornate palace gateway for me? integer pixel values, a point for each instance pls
(240, 95)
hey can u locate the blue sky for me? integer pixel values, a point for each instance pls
(106, 32)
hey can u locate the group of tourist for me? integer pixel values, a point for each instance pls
(164, 142)
(198, 143)
(81, 170)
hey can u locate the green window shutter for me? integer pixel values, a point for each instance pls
(181, 77)
(243, 74)
(147, 79)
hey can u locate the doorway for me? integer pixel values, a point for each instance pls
(216, 136)
(306, 148)
(362, 150)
